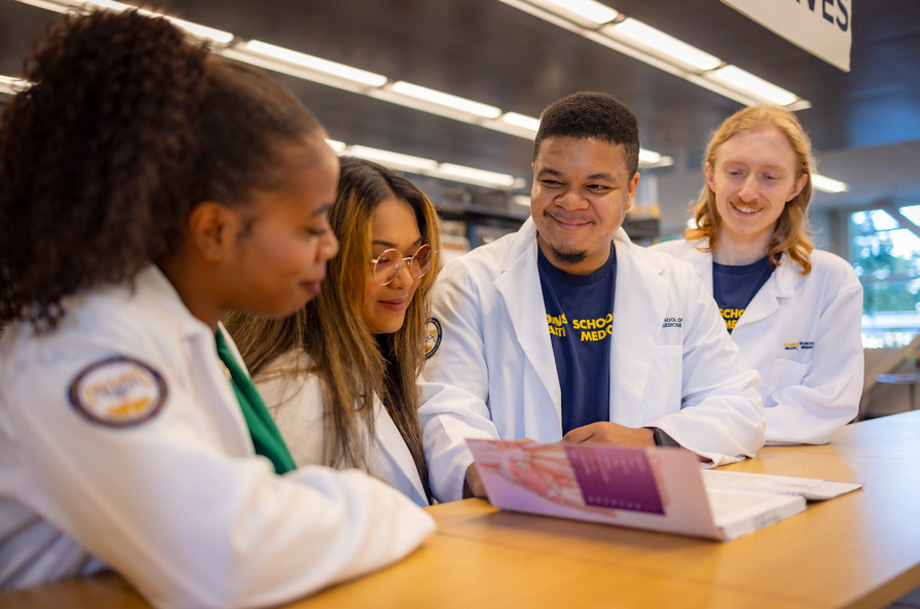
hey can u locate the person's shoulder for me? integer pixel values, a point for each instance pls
(664, 257)
(833, 269)
(488, 260)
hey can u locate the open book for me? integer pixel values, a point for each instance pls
(661, 489)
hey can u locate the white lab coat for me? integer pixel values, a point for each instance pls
(809, 393)
(179, 504)
(494, 374)
(296, 403)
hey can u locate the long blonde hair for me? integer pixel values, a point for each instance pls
(353, 364)
(791, 236)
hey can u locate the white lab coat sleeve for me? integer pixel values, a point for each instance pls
(187, 522)
(814, 400)
(721, 416)
(455, 384)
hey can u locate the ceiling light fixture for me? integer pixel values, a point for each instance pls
(431, 168)
(12, 86)
(739, 79)
(377, 86)
(826, 184)
(396, 160)
(472, 175)
(590, 11)
(294, 63)
(444, 99)
(632, 31)
(197, 30)
(655, 48)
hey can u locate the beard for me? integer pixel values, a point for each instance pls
(569, 258)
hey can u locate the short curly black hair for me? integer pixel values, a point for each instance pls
(590, 114)
(127, 125)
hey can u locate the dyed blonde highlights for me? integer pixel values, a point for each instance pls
(352, 364)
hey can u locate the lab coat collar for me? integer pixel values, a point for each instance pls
(153, 285)
(519, 285)
(160, 295)
(766, 301)
(393, 448)
(640, 309)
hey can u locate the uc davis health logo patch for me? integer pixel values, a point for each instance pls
(118, 392)
(433, 334)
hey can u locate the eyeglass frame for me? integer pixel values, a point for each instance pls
(402, 261)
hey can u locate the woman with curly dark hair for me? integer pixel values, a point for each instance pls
(146, 188)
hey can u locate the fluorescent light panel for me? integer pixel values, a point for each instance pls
(826, 184)
(316, 69)
(461, 172)
(593, 12)
(12, 86)
(738, 78)
(313, 63)
(195, 29)
(430, 167)
(521, 120)
(653, 47)
(397, 160)
(635, 32)
(445, 99)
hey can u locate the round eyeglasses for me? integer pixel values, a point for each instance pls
(388, 264)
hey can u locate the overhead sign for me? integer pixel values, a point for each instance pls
(822, 27)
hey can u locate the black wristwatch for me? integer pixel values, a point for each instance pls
(662, 438)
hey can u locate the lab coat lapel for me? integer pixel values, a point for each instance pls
(393, 448)
(702, 264)
(639, 311)
(766, 301)
(519, 286)
(207, 370)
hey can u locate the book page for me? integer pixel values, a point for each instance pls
(811, 488)
(647, 488)
(737, 513)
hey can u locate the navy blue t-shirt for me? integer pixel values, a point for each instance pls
(579, 312)
(734, 287)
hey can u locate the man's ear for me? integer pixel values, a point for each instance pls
(631, 190)
(213, 227)
(707, 172)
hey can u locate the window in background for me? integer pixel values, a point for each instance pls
(886, 256)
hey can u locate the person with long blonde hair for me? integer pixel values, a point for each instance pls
(794, 311)
(339, 376)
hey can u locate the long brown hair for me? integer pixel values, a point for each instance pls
(791, 235)
(352, 364)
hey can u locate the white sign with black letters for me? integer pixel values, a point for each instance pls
(822, 27)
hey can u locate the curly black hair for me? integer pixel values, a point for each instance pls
(590, 114)
(126, 126)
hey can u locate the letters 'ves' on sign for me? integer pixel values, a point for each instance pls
(824, 28)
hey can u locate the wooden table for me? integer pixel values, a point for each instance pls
(859, 550)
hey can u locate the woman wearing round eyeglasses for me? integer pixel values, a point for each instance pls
(339, 376)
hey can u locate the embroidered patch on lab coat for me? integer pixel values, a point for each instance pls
(432, 336)
(118, 392)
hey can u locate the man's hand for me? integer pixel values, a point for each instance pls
(611, 433)
(472, 484)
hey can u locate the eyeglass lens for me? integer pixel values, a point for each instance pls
(391, 261)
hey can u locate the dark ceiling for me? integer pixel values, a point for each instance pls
(865, 124)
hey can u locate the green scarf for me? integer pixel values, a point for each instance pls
(265, 435)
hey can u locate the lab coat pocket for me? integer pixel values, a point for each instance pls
(785, 373)
(665, 378)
